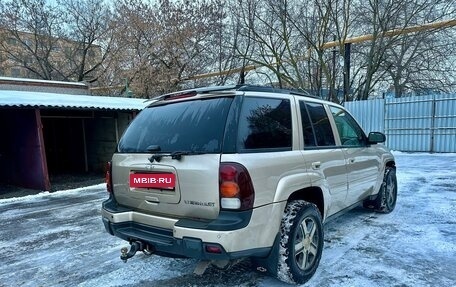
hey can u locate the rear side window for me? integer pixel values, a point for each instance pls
(264, 124)
(194, 126)
(317, 129)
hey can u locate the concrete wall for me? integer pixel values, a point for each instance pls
(102, 136)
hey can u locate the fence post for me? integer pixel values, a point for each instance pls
(432, 123)
(385, 126)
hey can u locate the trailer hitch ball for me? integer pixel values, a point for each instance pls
(123, 254)
(135, 247)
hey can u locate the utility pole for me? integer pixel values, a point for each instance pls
(347, 52)
(333, 80)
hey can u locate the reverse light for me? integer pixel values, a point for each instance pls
(108, 177)
(235, 187)
(230, 203)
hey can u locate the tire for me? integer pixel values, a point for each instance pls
(301, 242)
(385, 202)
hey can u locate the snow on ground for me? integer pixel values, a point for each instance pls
(58, 239)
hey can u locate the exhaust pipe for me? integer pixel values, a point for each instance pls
(135, 246)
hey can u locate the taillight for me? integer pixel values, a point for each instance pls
(108, 177)
(235, 187)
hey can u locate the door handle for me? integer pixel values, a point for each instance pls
(351, 160)
(316, 165)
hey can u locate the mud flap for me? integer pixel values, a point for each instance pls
(268, 264)
(201, 267)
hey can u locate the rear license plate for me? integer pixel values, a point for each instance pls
(153, 180)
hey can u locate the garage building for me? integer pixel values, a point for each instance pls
(51, 128)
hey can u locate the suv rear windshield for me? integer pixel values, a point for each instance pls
(193, 126)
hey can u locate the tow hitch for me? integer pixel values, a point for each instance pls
(134, 247)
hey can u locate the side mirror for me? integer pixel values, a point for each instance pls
(376, 137)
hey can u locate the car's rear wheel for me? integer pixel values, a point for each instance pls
(301, 242)
(385, 202)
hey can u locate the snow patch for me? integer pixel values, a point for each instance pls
(412, 246)
(45, 194)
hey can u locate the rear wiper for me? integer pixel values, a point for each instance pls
(174, 155)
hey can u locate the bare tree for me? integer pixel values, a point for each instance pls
(327, 21)
(31, 32)
(268, 37)
(385, 54)
(288, 39)
(224, 51)
(89, 28)
(166, 42)
(376, 18)
(161, 46)
(56, 41)
(421, 62)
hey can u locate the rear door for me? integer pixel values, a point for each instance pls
(174, 147)
(321, 154)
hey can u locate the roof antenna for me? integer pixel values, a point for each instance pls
(241, 80)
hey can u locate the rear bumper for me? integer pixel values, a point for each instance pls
(232, 232)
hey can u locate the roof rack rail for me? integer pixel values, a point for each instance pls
(241, 88)
(195, 91)
(253, 88)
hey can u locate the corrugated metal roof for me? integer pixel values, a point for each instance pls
(52, 100)
(26, 80)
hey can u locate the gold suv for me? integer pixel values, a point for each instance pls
(226, 173)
